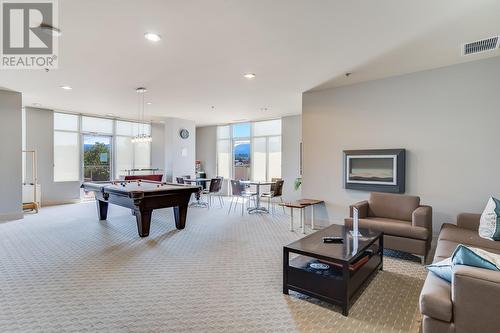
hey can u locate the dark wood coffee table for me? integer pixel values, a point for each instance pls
(351, 264)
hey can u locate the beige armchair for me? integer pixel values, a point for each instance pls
(407, 225)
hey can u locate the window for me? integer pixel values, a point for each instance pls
(266, 128)
(65, 122)
(97, 125)
(66, 148)
(250, 150)
(259, 163)
(224, 158)
(241, 130)
(128, 128)
(69, 145)
(66, 156)
(131, 155)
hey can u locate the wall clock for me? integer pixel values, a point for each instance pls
(184, 133)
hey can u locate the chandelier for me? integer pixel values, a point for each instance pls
(141, 136)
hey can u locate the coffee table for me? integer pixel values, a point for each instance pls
(352, 263)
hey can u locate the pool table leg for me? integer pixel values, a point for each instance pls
(143, 218)
(102, 209)
(180, 213)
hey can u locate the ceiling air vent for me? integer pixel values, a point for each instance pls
(481, 45)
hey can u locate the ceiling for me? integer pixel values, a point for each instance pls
(291, 45)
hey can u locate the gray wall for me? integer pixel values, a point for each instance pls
(291, 131)
(11, 155)
(206, 149)
(446, 118)
(40, 137)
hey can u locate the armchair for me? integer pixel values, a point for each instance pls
(407, 225)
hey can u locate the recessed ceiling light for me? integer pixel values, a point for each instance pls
(66, 87)
(263, 109)
(149, 103)
(37, 104)
(249, 76)
(110, 114)
(212, 108)
(152, 37)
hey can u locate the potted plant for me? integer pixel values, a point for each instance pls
(297, 183)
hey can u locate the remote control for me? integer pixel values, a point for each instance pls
(333, 239)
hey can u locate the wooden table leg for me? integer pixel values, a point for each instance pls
(345, 296)
(285, 270)
(180, 213)
(102, 209)
(143, 218)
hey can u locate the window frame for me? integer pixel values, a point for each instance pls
(232, 140)
(80, 133)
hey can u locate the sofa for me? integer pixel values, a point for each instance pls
(407, 225)
(471, 302)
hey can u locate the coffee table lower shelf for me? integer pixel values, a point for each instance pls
(337, 289)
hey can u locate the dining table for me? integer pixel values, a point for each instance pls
(201, 182)
(258, 208)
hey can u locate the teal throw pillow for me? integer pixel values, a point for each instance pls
(471, 256)
(442, 269)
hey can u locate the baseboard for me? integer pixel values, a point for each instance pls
(60, 202)
(5, 217)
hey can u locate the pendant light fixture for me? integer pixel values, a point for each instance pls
(142, 136)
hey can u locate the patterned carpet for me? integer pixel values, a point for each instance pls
(63, 271)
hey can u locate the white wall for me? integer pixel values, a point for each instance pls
(180, 153)
(10, 155)
(291, 131)
(206, 149)
(446, 118)
(40, 137)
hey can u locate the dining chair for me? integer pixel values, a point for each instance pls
(238, 191)
(275, 192)
(214, 190)
(180, 180)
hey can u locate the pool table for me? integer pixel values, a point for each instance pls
(142, 196)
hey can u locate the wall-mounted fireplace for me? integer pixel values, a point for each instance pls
(381, 170)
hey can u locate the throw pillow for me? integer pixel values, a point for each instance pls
(489, 225)
(442, 269)
(471, 256)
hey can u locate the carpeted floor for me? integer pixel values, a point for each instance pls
(63, 271)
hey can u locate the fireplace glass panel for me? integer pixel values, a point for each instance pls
(372, 170)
